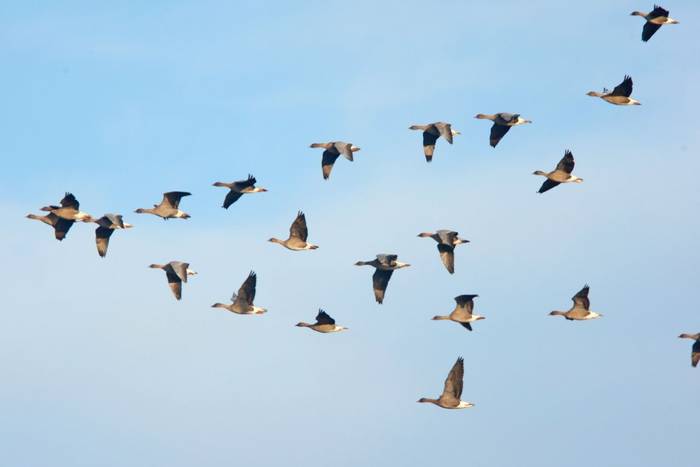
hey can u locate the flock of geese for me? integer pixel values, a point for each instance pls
(62, 217)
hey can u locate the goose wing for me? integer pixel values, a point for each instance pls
(327, 161)
(323, 318)
(243, 184)
(175, 284)
(298, 228)
(60, 225)
(102, 235)
(624, 88)
(445, 130)
(387, 260)
(345, 149)
(649, 30)
(447, 255)
(172, 198)
(497, 133)
(695, 354)
(246, 293)
(454, 382)
(179, 269)
(566, 164)
(231, 197)
(581, 298)
(69, 201)
(380, 281)
(430, 136)
(658, 12)
(547, 185)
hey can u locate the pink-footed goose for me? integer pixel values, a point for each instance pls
(242, 303)
(447, 241)
(298, 233)
(620, 95)
(431, 133)
(69, 210)
(176, 272)
(324, 324)
(385, 266)
(106, 225)
(238, 189)
(580, 311)
(463, 312)
(695, 351)
(452, 393)
(169, 207)
(502, 122)
(654, 20)
(60, 226)
(332, 151)
(562, 173)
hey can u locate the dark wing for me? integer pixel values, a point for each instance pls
(175, 284)
(695, 355)
(658, 12)
(298, 228)
(566, 164)
(447, 237)
(231, 197)
(447, 255)
(581, 298)
(454, 381)
(429, 144)
(69, 201)
(327, 161)
(547, 185)
(380, 281)
(466, 301)
(649, 30)
(497, 132)
(179, 269)
(323, 318)
(467, 325)
(61, 226)
(172, 198)
(624, 88)
(247, 183)
(247, 290)
(102, 235)
(387, 260)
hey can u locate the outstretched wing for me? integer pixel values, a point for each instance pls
(298, 228)
(231, 197)
(247, 290)
(566, 164)
(649, 30)
(581, 298)
(695, 355)
(327, 161)
(658, 12)
(247, 183)
(445, 130)
(172, 198)
(323, 318)
(547, 185)
(497, 133)
(454, 381)
(102, 235)
(447, 255)
(429, 140)
(624, 88)
(380, 281)
(69, 201)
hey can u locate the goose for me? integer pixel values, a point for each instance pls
(654, 21)
(324, 324)
(502, 122)
(69, 210)
(106, 225)
(447, 241)
(60, 226)
(580, 310)
(620, 95)
(562, 174)
(238, 189)
(462, 313)
(177, 273)
(451, 394)
(169, 207)
(385, 266)
(695, 351)
(298, 233)
(242, 303)
(431, 132)
(331, 152)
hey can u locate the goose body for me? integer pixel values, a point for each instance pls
(463, 312)
(447, 241)
(385, 266)
(298, 233)
(177, 273)
(618, 96)
(502, 122)
(60, 226)
(106, 225)
(431, 133)
(695, 351)
(69, 210)
(580, 311)
(561, 174)
(238, 189)
(654, 20)
(452, 392)
(169, 207)
(242, 302)
(332, 151)
(324, 324)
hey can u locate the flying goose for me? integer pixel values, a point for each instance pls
(69, 210)
(60, 226)
(324, 323)
(238, 189)
(106, 225)
(450, 397)
(431, 132)
(654, 21)
(177, 273)
(331, 152)
(502, 122)
(620, 95)
(562, 174)
(169, 207)
(580, 310)
(298, 234)
(695, 351)
(242, 303)
(385, 266)
(462, 313)
(447, 241)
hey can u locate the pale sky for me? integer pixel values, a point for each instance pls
(119, 103)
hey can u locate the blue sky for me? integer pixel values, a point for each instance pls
(101, 366)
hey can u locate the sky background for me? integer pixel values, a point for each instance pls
(118, 103)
